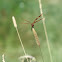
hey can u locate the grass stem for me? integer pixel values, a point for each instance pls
(15, 25)
(3, 60)
(40, 5)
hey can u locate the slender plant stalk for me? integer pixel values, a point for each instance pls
(21, 41)
(3, 60)
(15, 25)
(41, 54)
(40, 5)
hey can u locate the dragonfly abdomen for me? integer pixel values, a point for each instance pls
(36, 37)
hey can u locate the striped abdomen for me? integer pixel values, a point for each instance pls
(36, 37)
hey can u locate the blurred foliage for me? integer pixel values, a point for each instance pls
(29, 10)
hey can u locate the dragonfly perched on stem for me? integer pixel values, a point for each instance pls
(34, 32)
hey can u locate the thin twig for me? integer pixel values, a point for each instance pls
(3, 60)
(41, 54)
(15, 25)
(21, 41)
(40, 5)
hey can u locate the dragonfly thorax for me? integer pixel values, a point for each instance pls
(32, 25)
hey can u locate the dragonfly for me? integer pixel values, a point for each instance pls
(34, 32)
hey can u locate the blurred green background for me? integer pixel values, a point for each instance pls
(29, 10)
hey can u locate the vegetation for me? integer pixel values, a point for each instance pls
(29, 10)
